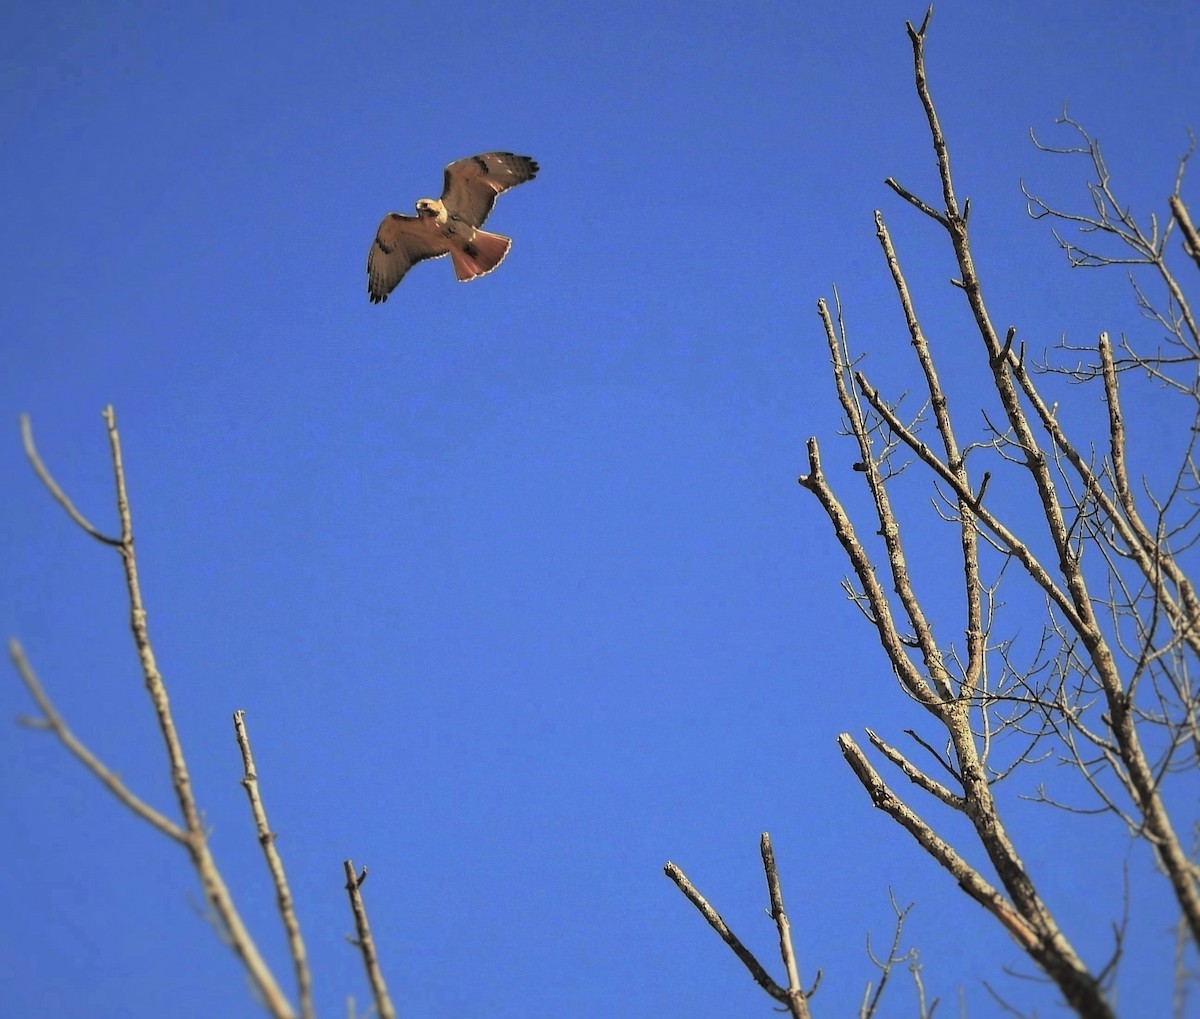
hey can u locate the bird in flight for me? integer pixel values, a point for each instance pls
(449, 225)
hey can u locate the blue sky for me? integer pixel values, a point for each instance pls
(513, 579)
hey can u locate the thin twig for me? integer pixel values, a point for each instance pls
(53, 487)
(53, 721)
(365, 943)
(913, 200)
(283, 894)
(914, 774)
(797, 1001)
(871, 1000)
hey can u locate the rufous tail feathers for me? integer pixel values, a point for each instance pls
(480, 255)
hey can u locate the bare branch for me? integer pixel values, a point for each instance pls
(1190, 235)
(954, 460)
(283, 894)
(192, 836)
(917, 37)
(52, 486)
(1019, 549)
(761, 976)
(797, 1000)
(912, 199)
(889, 528)
(969, 879)
(54, 722)
(365, 943)
(881, 614)
(914, 774)
(1114, 220)
(870, 1005)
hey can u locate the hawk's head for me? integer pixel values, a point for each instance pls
(428, 207)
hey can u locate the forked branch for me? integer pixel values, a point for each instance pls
(968, 878)
(192, 834)
(794, 997)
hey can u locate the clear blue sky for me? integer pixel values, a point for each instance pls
(513, 579)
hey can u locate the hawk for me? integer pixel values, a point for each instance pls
(449, 225)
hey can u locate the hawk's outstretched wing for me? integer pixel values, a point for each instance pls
(402, 242)
(472, 184)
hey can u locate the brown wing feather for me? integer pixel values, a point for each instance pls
(472, 184)
(400, 243)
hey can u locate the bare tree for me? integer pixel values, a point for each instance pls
(1109, 687)
(191, 834)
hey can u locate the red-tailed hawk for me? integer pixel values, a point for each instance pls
(449, 225)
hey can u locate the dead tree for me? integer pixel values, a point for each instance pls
(190, 832)
(1101, 561)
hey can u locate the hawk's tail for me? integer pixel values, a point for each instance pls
(479, 255)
